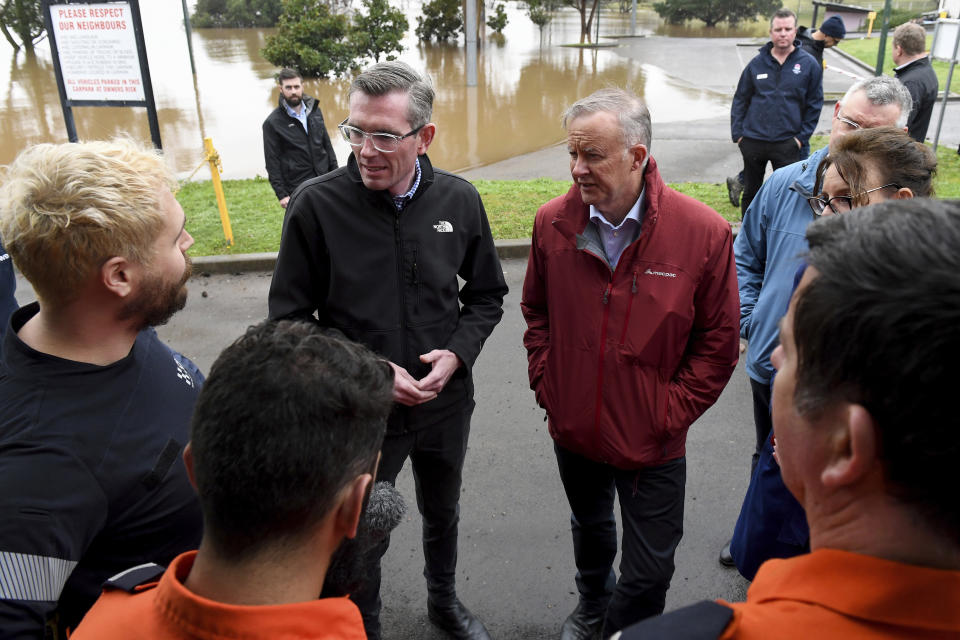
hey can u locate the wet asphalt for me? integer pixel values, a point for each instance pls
(516, 564)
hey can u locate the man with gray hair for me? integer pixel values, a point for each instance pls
(631, 306)
(916, 73)
(374, 249)
(771, 239)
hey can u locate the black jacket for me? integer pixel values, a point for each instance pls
(292, 156)
(388, 279)
(811, 46)
(921, 81)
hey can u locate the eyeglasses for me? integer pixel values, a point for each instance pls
(383, 142)
(847, 121)
(841, 204)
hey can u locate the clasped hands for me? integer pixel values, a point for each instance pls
(409, 391)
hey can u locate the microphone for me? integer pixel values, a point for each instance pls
(348, 566)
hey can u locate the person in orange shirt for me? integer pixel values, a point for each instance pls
(864, 415)
(284, 446)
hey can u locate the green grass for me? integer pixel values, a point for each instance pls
(511, 205)
(866, 51)
(255, 216)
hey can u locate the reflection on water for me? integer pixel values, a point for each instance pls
(524, 84)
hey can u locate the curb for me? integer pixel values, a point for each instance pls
(245, 262)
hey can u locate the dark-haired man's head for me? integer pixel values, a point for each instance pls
(286, 435)
(291, 86)
(863, 401)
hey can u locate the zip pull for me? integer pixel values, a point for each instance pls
(606, 294)
(633, 289)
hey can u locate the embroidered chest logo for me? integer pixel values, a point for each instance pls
(796, 69)
(443, 226)
(662, 274)
(184, 375)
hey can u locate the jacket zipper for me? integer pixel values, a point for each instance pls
(416, 277)
(626, 319)
(402, 307)
(603, 343)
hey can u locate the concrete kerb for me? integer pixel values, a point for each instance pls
(244, 262)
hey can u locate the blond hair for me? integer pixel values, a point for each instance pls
(65, 209)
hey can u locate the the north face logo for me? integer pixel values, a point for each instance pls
(443, 227)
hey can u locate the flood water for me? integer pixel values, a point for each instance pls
(524, 84)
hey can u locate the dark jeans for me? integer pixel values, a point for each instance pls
(436, 453)
(756, 155)
(651, 508)
(762, 421)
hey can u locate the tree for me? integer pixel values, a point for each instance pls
(25, 19)
(237, 13)
(585, 21)
(317, 41)
(311, 39)
(499, 19)
(441, 21)
(379, 31)
(714, 11)
(541, 12)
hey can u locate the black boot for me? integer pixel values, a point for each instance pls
(582, 624)
(456, 620)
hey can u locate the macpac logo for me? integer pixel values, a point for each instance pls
(443, 227)
(664, 274)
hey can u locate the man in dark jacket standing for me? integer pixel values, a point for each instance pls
(375, 249)
(830, 33)
(296, 145)
(777, 104)
(917, 75)
(631, 306)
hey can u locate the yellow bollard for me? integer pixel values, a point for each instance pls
(871, 16)
(215, 167)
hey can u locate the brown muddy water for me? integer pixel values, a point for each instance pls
(524, 84)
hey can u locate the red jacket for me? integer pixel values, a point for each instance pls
(624, 361)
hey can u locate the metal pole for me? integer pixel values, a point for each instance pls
(186, 24)
(633, 18)
(152, 119)
(471, 43)
(883, 38)
(61, 87)
(597, 39)
(946, 91)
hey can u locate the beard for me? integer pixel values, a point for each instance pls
(157, 301)
(293, 101)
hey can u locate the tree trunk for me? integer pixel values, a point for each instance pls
(6, 34)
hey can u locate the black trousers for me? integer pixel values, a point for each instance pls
(651, 508)
(762, 421)
(756, 154)
(436, 453)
